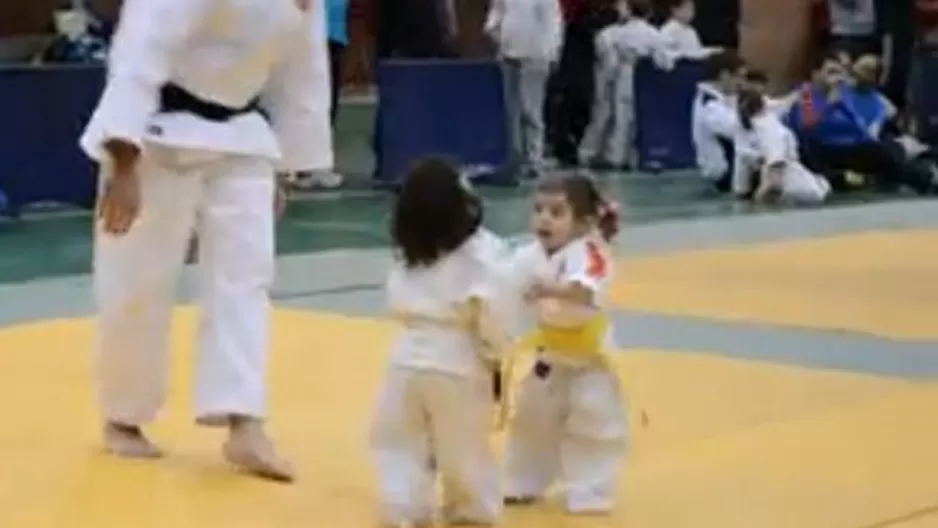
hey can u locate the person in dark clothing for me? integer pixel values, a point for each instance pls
(574, 79)
(717, 23)
(412, 29)
(896, 26)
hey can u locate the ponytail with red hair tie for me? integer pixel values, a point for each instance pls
(610, 214)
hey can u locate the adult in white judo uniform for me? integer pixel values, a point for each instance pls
(205, 101)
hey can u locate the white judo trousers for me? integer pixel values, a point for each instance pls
(228, 200)
(421, 413)
(570, 427)
(597, 138)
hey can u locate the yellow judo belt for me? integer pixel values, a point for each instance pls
(585, 343)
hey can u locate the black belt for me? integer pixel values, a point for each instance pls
(176, 99)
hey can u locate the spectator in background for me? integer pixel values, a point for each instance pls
(610, 138)
(854, 27)
(528, 36)
(897, 29)
(757, 81)
(337, 20)
(73, 43)
(714, 120)
(838, 126)
(413, 29)
(575, 76)
(767, 165)
(337, 28)
(409, 29)
(922, 71)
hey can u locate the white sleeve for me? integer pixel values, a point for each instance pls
(554, 28)
(773, 142)
(149, 36)
(659, 49)
(493, 21)
(587, 265)
(719, 118)
(500, 305)
(298, 95)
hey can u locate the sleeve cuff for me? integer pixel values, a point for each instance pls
(124, 112)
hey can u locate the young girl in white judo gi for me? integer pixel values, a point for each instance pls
(434, 413)
(570, 422)
(608, 140)
(767, 151)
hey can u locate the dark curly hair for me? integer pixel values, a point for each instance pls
(435, 213)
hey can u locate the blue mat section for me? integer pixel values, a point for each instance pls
(43, 112)
(663, 105)
(454, 108)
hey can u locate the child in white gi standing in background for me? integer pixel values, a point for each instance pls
(183, 144)
(570, 422)
(609, 139)
(435, 411)
(528, 35)
(680, 36)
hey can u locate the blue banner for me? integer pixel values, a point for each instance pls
(664, 101)
(454, 108)
(44, 110)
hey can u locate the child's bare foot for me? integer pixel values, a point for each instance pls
(249, 449)
(129, 442)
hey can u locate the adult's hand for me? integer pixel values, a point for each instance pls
(120, 202)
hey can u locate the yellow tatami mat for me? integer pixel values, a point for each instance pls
(730, 444)
(879, 283)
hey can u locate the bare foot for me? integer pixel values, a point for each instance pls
(129, 442)
(249, 449)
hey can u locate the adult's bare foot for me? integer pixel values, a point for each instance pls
(250, 449)
(128, 441)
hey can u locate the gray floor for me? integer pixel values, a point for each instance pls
(349, 281)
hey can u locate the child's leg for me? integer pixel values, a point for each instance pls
(594, 442)
(401, 446)
(601, 114)
(460, 412)
(619, 140)
(532, 456)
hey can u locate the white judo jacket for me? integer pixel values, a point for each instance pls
(230, 53)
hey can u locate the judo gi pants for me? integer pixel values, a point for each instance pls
(525, 88)
(228, 200)
(595, 139)
(610, 134)
(570, 426)
(430, 424)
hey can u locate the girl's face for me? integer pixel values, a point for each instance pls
(553, 221)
